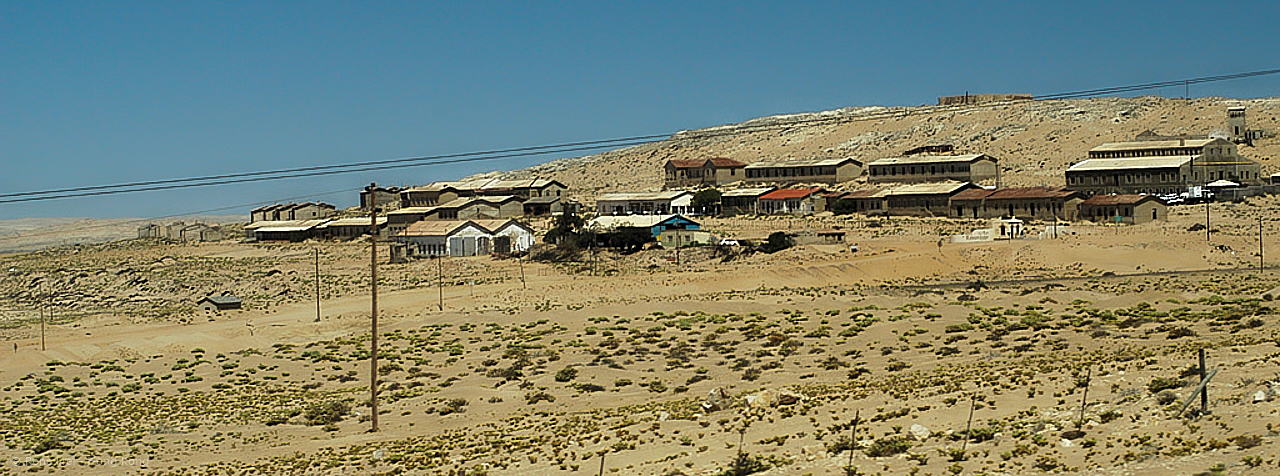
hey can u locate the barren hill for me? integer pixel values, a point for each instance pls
(1035, 141)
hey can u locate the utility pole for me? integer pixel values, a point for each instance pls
(317, 284)
(373, 273)
(1260, 264)
(42, 328)
(440, 280)
(523, 285)
(1206, 219)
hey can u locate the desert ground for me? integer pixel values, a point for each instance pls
(1068, 354)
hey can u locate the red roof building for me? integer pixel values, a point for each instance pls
(792, 201)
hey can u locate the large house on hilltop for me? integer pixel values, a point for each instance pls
(702, 172)
(804, 171)
(1160, 166)
(934, 168)
(437, 193)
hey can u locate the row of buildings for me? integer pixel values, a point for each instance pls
(1150, 163)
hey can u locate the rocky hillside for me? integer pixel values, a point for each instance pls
(1035, 141)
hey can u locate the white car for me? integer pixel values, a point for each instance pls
(728, 242)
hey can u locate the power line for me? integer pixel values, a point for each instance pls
(312, 171)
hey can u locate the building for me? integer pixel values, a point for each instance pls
(461, 238)
(463, 208)
(981, 98)
(1131, 209)
(1161, 166)
(702, 172)
(200, 232)
(282, 230)
(645, 203)
(292, 211)
(436, 193)
(866, 202)
(804, 171)
(352, 227)
(681, 238)
(934, 168)
(792, 201)
(653, 224)
(742, 201)
(219, 303)
(388, 198)
(1038, 203)
(924, 199)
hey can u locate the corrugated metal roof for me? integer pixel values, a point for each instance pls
(435, 227)
(687, 163)
(542, 200)
(929, 188)
(790, 193)
(932, 159)
(483, 184)
(639, 196)
(1150, 144)
(287, 226)
(608, 222)
(1014, 193)
(353, 221)
(726, 162)
(411, 211)
(800, 163)
(866, 194)
(1106, 200)
(747, 192)
(1171, 161)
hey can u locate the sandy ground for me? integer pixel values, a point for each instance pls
(904, 334)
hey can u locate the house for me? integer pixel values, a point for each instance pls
(462, 208)
(866, 202)
(460, 238)
(199, 232)
(934, 168)
(654, 224)
(437, 193)
(544, 206)
(1160, 165)
(680, 238)
(742, 200)
(792, 201)
(282, 230)
(351, 227)
(644, 203)
(1157, 175)
(388, 198)
(702, 172)
(923, 199)
(218, 303)
(804, 171)
(1131, 208)
(1039, 203)
(292, 211)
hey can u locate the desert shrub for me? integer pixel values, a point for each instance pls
(566, 374)
(1161, 383)
(887, 447)
(326, 413)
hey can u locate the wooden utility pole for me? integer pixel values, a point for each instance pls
(523, 285)
(1088, 375)
(317, 284)
(373, 273)
(1260, 265)
(853, 438)
(1204, 393)
(973, 401)
(42, 329)
(440, 280)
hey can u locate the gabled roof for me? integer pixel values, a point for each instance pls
(726, 162)
(496, 226)
(790, 193)
(484, 184)
(930, 188)
(1128, 199)
(687, 163)
(801, 163)
(932, 159)
(642, 196)
(865, 194)
(1168, 161)
(747, 192)
(542, 200)
(437, 227)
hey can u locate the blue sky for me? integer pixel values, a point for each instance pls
(96, 93)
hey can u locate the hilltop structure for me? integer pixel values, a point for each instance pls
(702, 172)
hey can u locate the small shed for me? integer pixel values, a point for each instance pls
(218, 303)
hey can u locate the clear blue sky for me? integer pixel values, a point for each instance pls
(107, 92)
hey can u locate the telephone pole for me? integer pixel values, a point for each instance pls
(373, 273)
(317, 284)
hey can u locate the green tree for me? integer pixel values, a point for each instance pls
(777, 241)
(843, 206)
(706, 201)
(567, 230)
